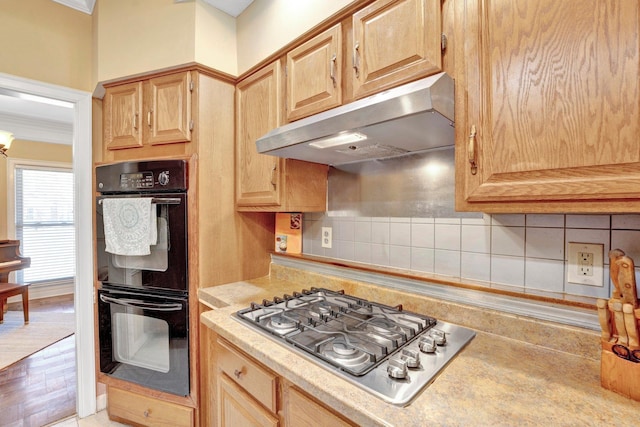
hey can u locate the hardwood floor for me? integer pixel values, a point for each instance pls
(41, 389)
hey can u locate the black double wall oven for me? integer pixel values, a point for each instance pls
(142, 260)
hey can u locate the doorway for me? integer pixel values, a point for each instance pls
(83, 207)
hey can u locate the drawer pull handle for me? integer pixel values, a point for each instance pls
(146, 413)
(238, 373)
(472, 150)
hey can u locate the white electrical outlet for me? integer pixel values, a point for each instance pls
(585, 265)
(326, 237)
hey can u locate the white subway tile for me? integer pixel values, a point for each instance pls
(422, 235)
(362, 219)
(544, 274)
(400, 256)
(400, 233)
(362, 252)
(507, 241)
(508, 270)
(447, 236)
(344, 230)
(545, 220)
(485, 220)
(380, 233)
(588, 221)
(508, 220)
(476, 238)
(475, 266)
(628, 241)
(544, 243)
(422, 259)
(422, 220)
(447, 221)
(399, 219)
(447, 262)
(362, 232)
(345, 249)
(379, 219)
(625, 222)
(379, 254)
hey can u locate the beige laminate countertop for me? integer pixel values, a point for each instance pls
(495, 380)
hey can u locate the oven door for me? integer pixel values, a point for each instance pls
(145, 339)
(165, 269)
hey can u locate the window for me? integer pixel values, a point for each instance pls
(44, 222)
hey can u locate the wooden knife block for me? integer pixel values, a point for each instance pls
(619, 375)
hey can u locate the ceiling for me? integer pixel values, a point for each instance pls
(230, 7)
(45, 120)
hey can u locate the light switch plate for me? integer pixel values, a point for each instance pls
(585, 266)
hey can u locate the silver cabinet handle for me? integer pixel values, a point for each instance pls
(149, 117)
(238, 373)
(356, 58)
(332, 69)
(135, 121)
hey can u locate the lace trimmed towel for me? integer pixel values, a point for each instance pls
(130, 225)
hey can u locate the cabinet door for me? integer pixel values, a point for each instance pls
(551, 106)
(258, 103)
(121, 115)
(395, 41)
(237, 408)
(303, 411)
(314, 75)
(168, 109)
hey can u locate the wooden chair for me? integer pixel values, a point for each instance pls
(10, 289)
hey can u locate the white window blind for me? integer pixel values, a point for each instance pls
(44, 223)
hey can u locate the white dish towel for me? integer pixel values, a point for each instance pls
(130, 225)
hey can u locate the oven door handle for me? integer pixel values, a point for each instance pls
(154, 200)
(128, 302)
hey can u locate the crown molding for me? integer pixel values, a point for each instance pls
(85, 6)
(39, 130)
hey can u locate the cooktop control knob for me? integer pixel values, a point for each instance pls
(397, 368)
(427, 344)
(438, 336)
(163, 178)
(411, 356)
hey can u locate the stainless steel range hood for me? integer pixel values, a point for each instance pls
(411, 118)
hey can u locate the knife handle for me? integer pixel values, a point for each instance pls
(631, 326)
(618, 320)
(604, 316)
(613, 270)
(627, 280)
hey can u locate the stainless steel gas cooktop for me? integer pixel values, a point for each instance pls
(389, 352)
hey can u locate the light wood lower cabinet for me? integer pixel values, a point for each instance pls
(132, 408)
(248, 394)
(301, 410)
(236, 407)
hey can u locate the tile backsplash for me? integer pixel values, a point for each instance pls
(519, 253)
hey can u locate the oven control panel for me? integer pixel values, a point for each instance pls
(153, 175)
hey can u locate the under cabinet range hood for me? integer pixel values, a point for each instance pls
(411, 118)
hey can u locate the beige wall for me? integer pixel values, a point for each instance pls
(45, 41)
(268, 25)
(31, 151)
(134, 37)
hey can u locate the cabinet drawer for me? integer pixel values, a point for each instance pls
(126, 406)
(256, 380)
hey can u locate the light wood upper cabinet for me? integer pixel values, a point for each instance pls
(122, 108)
(548, 106)
(258, 109)
(395, 41)
(169, 109)
(150, 112)
(264, 182)
(314, 75)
